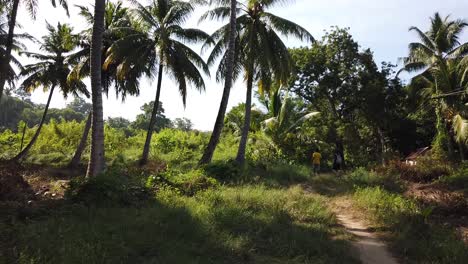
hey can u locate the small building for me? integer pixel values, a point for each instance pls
(412, 158)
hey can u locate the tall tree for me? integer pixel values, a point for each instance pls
(228, 81)
(431, 55)
(116, 19)
(97, 160)
(262, 55)
(159, 39)
(51, 71)
(32, 8)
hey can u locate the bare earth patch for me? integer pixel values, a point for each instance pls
(370, 248)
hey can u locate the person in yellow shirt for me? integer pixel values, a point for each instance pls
(316, 158)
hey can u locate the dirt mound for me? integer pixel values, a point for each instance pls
(13, 187)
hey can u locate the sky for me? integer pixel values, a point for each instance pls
(381, 25)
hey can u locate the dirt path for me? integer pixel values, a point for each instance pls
(371, 250)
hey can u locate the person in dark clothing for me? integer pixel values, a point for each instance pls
(337, 161)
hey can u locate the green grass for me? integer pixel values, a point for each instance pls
(413, 236)
(243, 224)
(411, 233)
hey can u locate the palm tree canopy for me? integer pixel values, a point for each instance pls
(116, 24)
(258, 41)
(31, 6)
(17, 46)
(157, 37)
(438, 44)
(51, 70)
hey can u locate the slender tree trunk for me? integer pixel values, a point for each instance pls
(9, 46)
(149, 134)
(25, 151)
(461, 149)
(75, 161)
(443, 142)
(97, 159)
(245, 130)
(22, 137)
(382, 144)
(219, 124)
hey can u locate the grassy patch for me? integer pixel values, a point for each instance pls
(248, 224)
(413, 236)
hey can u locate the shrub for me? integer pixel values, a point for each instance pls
(187, 183)
(458, 179)
(427, 169)
(224, 170)
(107, 190)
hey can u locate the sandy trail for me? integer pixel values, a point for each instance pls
(371, 250)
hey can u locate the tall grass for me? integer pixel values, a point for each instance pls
(248, 224)
(413, 236)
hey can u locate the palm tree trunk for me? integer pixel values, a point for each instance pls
(219, 124)
(443, 142)
(25, 151)
(9, 46)
(245, 130)
(461, 149)
(97, 159)
(75, 161)
(149, 134)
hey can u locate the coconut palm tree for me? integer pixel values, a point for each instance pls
(17, 46)
(260, 52)
(158, 40)
(31, 6)
(433, 55)
(228, 81)
(116, 20)
(286, 119)
(50, 72)
(97, 159)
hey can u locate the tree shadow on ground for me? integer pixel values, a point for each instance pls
(162, 232)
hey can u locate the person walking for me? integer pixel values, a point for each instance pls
(337, 161)
(316, 159)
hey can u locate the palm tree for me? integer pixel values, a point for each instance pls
(97, 161)
(50, 72)
(116, 19)
(260, 52)
(17, 46)
(31, 5)
(228, 80)
(286, 119)
(158, 39)
(433, 55)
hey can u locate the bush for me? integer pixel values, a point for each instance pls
(107, 190)
(458, 180)
(187, 183)
(362, 177)
(224, 170)
(427, 169)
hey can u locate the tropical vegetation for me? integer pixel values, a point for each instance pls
(79, 186)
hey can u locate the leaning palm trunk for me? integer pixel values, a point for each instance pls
(219, 124)
(149, 134)
(75, 161)
(97, 159)
(25, 151)
(245, 130)
(9, 46)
